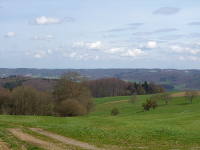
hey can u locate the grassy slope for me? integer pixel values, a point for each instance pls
(173, 126)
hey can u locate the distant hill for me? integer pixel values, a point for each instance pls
(171, 79)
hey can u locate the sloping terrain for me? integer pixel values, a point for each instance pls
(172, 126)
(171, 79)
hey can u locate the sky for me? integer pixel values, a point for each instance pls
(100, 34)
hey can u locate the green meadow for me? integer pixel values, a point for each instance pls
(168, 127)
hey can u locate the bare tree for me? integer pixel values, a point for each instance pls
(191, 95)
(166, 97)
(72, 97)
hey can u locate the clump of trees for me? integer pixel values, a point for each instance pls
(72, 97)
(116, 87)
(25, 101)
(12, 84)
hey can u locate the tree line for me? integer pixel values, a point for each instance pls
(115, 87)
(69, 98)
(71, 95)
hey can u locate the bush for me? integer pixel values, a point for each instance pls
(133, 99)
(150, 103)
(70, 107)
(114, 111)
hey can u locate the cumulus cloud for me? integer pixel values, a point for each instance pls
(106, 50)
(114, 50)
(167, 11)
(133, 53)
(10, 34)
(39, 53)
(151, 44)
(184, 49)
(43, 20)
(88, 45)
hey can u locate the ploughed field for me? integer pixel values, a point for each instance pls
(168, 127)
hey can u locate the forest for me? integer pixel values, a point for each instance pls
(71, 95)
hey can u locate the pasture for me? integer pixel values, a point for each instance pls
(168, 127)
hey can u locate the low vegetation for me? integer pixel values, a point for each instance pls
(172, 126)
(114, 111)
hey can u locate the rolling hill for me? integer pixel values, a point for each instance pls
(171, 79)
(172, 126)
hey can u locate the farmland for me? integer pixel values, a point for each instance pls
(172, 126)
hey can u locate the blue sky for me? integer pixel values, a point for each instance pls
(100, 34)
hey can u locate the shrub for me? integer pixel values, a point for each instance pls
(133, 99)
(70, 107)
(114, 111)
(150, 103)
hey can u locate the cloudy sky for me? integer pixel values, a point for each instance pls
(100, 34)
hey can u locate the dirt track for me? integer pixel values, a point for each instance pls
(65, 140)
(47, 144)
(3, 146)
(30, 139)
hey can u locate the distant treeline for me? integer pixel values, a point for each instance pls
(116, 87)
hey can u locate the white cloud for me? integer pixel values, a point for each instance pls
(46, 37)
(94, 45)
(40, 54)
(151, 44)
(133, 52)
(88, 45)
(115, 50)
(43, 20)
(181, 49)
(10, 34)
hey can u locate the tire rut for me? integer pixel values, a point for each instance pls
(66, 140)
(4, 146)
(35, 141)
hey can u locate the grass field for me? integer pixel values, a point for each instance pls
(169, 127)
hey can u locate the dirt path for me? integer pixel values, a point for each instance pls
(113, 102)
(65, 140)
(180, 94)
(30, 139)
(3, 146)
